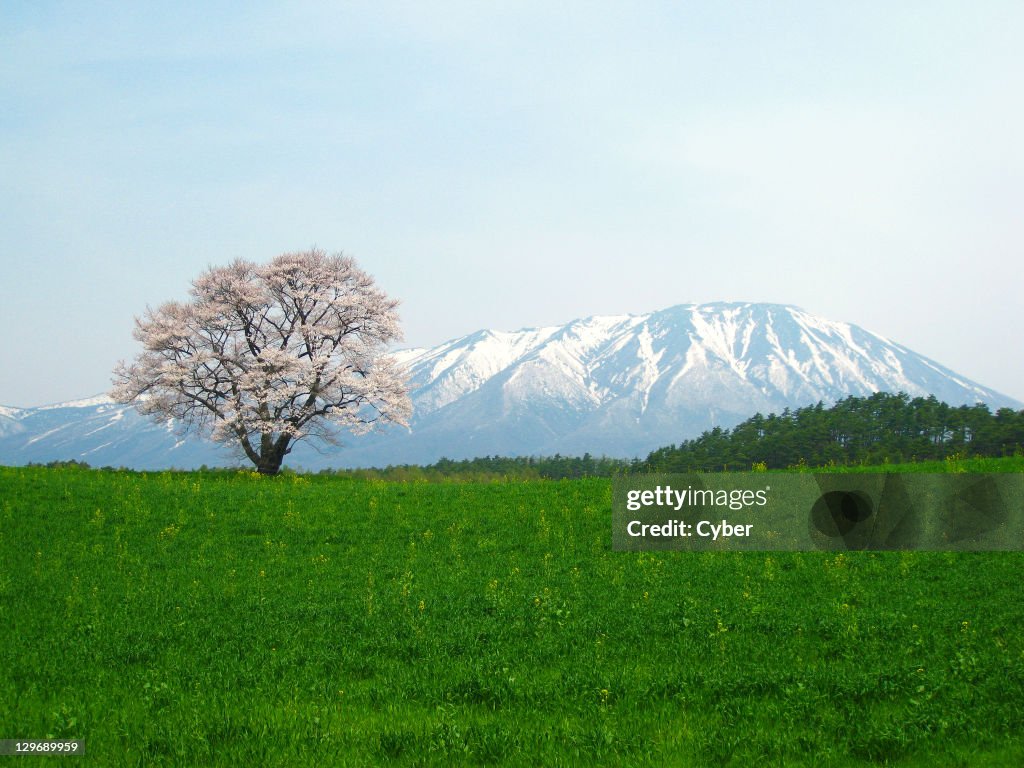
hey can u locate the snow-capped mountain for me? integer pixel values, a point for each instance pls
(617, 386)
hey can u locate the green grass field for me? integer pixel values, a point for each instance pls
(216, 619)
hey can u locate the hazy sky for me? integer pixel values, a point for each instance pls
(515, 164)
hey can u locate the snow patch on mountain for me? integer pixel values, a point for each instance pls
(88, 402)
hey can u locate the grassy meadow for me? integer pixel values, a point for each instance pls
(229, 619)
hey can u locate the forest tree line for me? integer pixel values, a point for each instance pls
(555, 467)
(876, 429)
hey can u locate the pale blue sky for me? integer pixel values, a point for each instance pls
(515, 164)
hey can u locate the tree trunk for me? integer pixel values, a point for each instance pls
(272, 453)
(269, 465)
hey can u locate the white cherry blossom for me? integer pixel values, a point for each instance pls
(265, 355)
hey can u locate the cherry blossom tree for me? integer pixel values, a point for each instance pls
(263, 356)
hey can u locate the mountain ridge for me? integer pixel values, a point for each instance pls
(617, 385)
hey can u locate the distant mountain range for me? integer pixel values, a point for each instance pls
(609, 385)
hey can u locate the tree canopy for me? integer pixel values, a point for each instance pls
(262, 356)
